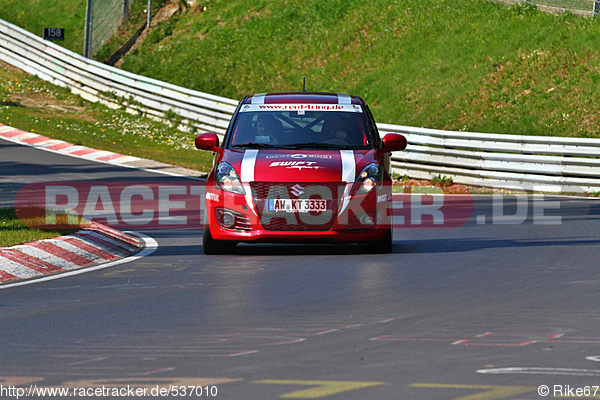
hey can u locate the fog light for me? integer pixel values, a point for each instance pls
(228, 219)
(366, 220)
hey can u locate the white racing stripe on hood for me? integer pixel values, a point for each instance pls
(259, 98)
(344, 99)
(348, 166)
(348, 175)
(247, 175)
(248, 166)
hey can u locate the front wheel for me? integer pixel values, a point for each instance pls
(213, 246)
(383, 246)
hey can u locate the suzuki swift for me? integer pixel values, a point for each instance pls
(299, 167)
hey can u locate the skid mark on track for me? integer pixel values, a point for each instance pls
(236, 343)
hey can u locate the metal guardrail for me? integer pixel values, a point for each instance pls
(536, 163)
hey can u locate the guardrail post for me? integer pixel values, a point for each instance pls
(87, 42)
(149, 13)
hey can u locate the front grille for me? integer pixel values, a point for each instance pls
(294, 221)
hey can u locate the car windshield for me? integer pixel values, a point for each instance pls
(301, 129)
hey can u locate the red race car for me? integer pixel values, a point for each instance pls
(299, 167)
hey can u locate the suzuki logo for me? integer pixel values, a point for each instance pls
(297, 190)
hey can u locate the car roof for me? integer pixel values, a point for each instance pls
(302, 98)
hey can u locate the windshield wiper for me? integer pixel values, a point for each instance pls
(254, 145)
(315, 145)
(309, 145)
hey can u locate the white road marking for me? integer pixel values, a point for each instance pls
(541, 371)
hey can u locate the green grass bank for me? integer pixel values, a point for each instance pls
(13, 231)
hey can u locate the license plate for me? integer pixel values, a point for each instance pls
(300, 205)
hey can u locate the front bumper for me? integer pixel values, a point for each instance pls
(235, 217)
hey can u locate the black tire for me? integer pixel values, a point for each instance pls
(212, 246)
(384, 246)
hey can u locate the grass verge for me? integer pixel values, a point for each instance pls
(13, 231)
(33, 105)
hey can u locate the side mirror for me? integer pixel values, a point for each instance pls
(208, 141)
(393, 142)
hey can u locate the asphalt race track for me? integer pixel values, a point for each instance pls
(493, 309)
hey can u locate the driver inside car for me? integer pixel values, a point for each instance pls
(267, 128)
(335, 127)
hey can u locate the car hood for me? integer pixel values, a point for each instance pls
(298, 165)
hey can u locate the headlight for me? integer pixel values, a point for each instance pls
(227, 179)
(368, 179)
